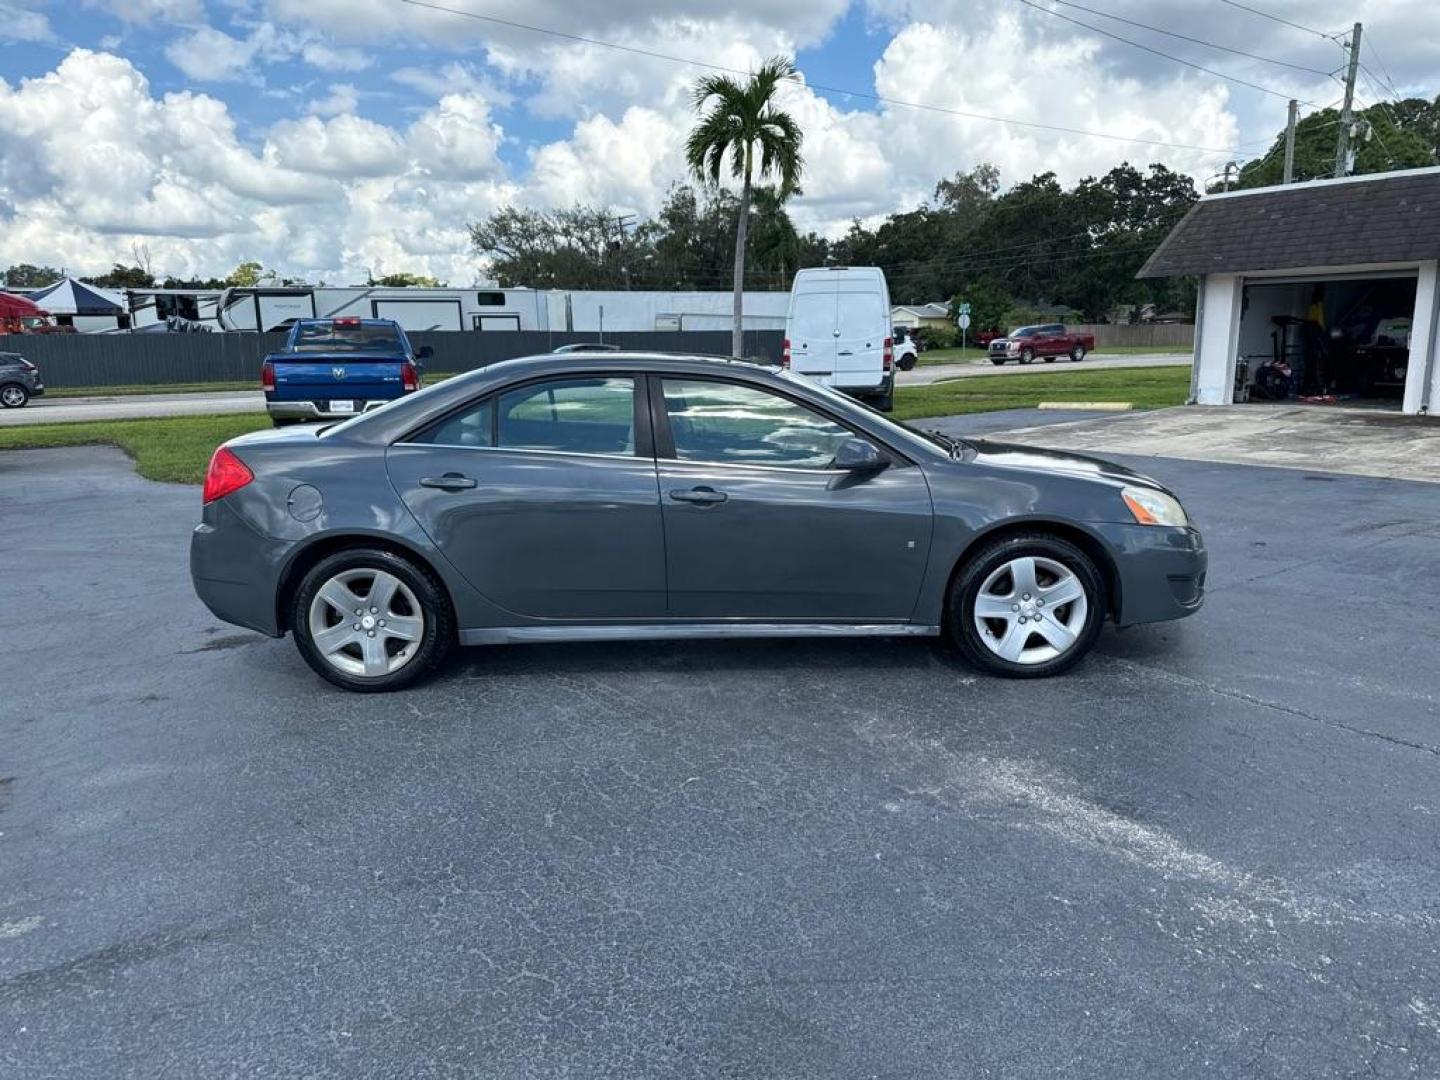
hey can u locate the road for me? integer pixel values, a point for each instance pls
(1211, 852)
(140, 406)
(922, 376)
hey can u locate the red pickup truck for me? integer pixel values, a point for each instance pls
(1046, 341)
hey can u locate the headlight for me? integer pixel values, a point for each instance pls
(1152, 507)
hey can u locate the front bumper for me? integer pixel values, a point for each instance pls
(236, 571)
(1161, 572)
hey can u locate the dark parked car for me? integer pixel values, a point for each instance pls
(586, 346)
(563, 498)
(19, 381)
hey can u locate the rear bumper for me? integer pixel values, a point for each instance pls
(318, 409)
(1161, 572)
(236, 571)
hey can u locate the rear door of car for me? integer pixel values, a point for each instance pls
(760, 526)
(544, 496)
(813, 327)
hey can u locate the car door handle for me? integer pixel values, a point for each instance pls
(703, 496)
(844, 352)
(451, 481)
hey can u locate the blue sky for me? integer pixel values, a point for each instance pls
(332, 137)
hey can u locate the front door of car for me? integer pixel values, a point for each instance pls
(759, 525)
(544, 497)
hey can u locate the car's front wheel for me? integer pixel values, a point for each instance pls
(14, 396)
(367, 619)
(1027, 606)
(998, 361)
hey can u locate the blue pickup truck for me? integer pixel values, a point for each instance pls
(333, 368)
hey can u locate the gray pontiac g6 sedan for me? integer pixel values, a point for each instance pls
(585, 498)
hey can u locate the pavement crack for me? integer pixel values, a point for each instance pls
(1275, 706)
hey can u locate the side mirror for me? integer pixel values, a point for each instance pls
(425, 352)
(857, 455)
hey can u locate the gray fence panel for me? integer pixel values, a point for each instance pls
(1140, 335)
(72, 360)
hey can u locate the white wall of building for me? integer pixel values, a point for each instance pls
(1425, 344)
(1216, 339)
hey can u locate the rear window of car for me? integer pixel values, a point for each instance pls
(348, 337)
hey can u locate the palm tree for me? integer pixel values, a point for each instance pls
(736, 121)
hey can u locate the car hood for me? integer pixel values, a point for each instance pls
(1037, 459)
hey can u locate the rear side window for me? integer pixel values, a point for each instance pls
(573, 416)
(473, 427)
(348, 337)
(862, 311)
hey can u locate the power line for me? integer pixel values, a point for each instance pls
(1194, 40)
(863, 95)
(1278, 19)
(1158, 52)
(1369, 44)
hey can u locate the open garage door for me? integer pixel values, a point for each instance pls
(1331, 341)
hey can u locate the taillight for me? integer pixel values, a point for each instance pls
(888, 361)
(267, 376)
(226, 474)
(785, 354)
(410, 378)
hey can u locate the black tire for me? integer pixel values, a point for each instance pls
(998, 361)
(885, 402)
(1077, 353)
(278, 422)
(1049, 359)
(907, 362)
(437, 637)
(960, 626)
(14, 396)
(1027, 356)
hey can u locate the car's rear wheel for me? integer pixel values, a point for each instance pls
(1027, 355)
(14, 396)
(367, 619)
(1027, 606)
(1077, 353)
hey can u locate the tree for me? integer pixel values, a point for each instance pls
(123, 277)
(1405, 135)
(555, 249)
(735, 122)
(247, 275)
(406, 281)
(28, 276)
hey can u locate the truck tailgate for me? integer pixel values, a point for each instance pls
(338, 377)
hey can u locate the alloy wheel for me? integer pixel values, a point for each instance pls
(366, 622)
(12, 397)
(1031, 610)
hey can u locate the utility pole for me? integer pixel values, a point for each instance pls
(1290, 142)
(1342, 143)
(1232, 169)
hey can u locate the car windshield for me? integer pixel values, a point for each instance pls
(348, 337)
(1023, 331)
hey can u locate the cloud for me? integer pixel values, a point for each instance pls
(210, 55)
(20, 23)
(343, 147)
(146, 11)
(342, 98)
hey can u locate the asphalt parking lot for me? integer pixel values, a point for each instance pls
(1213, 851)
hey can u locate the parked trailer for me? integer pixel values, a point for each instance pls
(274, 308)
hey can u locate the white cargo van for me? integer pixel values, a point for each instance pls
(838, 331)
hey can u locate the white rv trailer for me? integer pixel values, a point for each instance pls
(267, 308)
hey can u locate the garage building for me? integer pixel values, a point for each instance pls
(1325, 292)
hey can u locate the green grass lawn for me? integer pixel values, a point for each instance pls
(1145, 388)
(174, 449)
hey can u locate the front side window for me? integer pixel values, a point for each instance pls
(739, 425)
(574, 416)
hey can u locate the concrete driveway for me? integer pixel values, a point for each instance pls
(1213, 851)
(1310, 437)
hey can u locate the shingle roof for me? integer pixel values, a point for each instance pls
(1389, 218)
